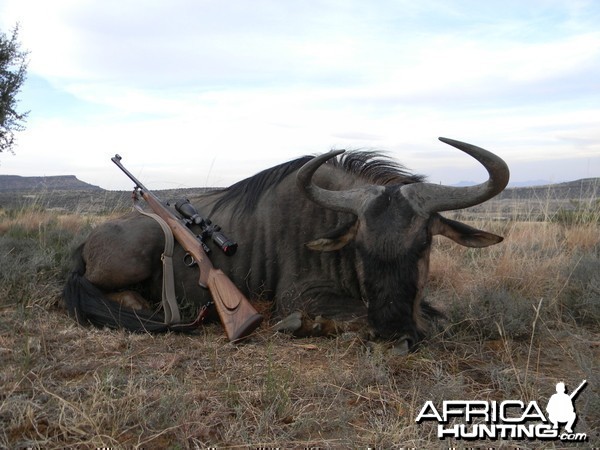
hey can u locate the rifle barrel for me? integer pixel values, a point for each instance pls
(117, 160)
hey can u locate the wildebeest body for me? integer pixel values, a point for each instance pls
(371, 260)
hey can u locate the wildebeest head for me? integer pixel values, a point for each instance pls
(392, 235)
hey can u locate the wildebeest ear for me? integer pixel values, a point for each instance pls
(335, 240)
(464, 234)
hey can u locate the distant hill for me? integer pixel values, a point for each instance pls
(61, 182)
(530, 183)
(70, 194)
(574, 190)
(579, 189)
(512, 184)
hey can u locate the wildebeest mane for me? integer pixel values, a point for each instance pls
(373, 167)
(376, 168)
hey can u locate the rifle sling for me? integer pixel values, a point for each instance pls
(169, 300)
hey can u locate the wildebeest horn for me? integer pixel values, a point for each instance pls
(427, 198)
(351, 200)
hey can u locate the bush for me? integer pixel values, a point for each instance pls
(580, 299)
(581, 213)
(492, 313)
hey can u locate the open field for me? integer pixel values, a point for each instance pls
(520, 316)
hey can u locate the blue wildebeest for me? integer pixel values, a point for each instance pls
(345, 238)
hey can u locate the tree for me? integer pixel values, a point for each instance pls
(13, 71)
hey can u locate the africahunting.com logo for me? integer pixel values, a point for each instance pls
(509, 419)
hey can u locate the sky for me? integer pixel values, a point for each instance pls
(205, 93)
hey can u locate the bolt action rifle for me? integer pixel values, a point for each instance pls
(238, 316)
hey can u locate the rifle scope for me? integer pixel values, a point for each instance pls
(187, 210)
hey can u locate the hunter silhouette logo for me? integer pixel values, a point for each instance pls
(508, 419)
(560, 407)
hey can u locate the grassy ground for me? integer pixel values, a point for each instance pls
(521, 316)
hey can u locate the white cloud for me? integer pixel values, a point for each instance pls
(184, 86)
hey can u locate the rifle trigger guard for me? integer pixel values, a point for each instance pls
(189, 260)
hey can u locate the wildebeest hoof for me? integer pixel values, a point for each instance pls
(400, 348)
(289, 324)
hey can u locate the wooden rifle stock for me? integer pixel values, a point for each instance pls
(238, 316)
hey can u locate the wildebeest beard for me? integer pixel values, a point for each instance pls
(391, 288)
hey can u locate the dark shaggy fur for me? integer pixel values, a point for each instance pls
(373, 167)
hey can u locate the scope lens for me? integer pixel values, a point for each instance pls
(228, 246)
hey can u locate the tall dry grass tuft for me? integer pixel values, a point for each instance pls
(537, 260)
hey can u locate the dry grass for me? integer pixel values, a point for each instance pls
(522, 315)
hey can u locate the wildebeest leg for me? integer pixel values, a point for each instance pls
(119, 257)
(319, 308)
(316, 308)
(129, 299)
(300, 324)
(122, 253)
